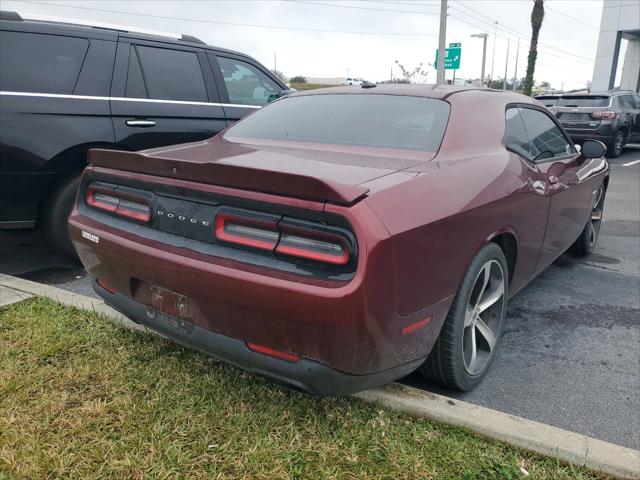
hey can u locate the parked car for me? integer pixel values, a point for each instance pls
(339, 239)
(611, 117)
(352, 81)
(67, 88)
(548, 100)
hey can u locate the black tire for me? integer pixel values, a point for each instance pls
(57, 208)
(588, 239)
(447, 362)
(614, 149)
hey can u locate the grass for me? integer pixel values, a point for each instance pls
(310, 86)
(83, 398)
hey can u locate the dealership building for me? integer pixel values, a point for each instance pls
(618, 46)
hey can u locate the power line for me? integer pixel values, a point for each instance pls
(234, 24)
(338, 5)
(547, 7)
(512, 31)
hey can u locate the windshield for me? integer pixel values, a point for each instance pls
(548, 101)
(586, 101)
(386, 121)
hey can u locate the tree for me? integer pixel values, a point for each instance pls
(412, 76)
(537, 15)
(280, 75)
(298, 79)
(546, 85)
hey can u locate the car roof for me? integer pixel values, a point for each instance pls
(417, 90)
(59, 25)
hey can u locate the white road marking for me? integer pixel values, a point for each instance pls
(629, 164)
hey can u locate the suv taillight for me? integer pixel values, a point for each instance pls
(603, 115)
(304, 242)
(123, 204)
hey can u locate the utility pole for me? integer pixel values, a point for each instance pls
(493, 57)
(483, 36)
(515, 74)
(275, 63)
(506, 66)
(442, 40)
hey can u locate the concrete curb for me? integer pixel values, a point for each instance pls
(569, 447)
(554, 442)
(68, 298)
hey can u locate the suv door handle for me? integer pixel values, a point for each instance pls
(141, 123)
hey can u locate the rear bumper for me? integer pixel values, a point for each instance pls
(604, 133)
(306, 375)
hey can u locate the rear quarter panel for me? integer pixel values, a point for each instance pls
(472, 191)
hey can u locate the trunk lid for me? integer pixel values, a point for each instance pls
(327, 173)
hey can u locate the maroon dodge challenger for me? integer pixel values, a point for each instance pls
(340, 239)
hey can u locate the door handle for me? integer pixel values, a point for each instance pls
(141, 123)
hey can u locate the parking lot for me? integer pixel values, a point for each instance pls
(571, 347)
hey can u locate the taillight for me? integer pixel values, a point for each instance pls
(248, 232)
(603, 115)
(300, 239)
(312, 245)
(124, 204)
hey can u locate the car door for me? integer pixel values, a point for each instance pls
(163, 94)
(632, 105)
(571, 181)
(244, 85)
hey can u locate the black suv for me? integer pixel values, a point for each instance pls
(611, 117)
(67, 88)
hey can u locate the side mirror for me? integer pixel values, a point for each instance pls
(593, 149)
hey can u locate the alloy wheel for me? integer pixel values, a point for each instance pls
(484, 313)
(596, 217)
(617, 143)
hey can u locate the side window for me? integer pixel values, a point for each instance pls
(516, 137)
(636, 101)
(40, 63)
(246, 85)
(170, 74)
(626, 101)
(546, 139)
(135, 81)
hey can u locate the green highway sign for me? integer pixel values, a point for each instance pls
(452, 57)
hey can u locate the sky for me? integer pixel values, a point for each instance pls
(364, 38)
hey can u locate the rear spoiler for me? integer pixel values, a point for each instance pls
(234, 176)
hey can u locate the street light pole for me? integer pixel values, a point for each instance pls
(483, 36)
(493, 57)
(442, 42)
(506, 66)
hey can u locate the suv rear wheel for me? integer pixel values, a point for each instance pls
(614, 149)
(59, 204)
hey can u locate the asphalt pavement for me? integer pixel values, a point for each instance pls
(569, 355)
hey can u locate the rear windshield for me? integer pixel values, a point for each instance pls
(548, 101)
(586, 101)
(386, 121)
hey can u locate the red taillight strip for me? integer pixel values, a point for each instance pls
(123, 204)
(289, 357)
(292, 242)
(253, 226)
(97, 203)
(415, 326)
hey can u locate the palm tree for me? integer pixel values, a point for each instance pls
(537, 15)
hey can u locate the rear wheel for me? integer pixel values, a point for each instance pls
(58, 207)
(466, 346)
(614, 149)
(586, 242)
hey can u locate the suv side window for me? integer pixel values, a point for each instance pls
(636, 102)
(167, 74)
(547, 140)
(39, 63)
(626, 101)
(135, 81)
(247, 85)
(516, 137)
